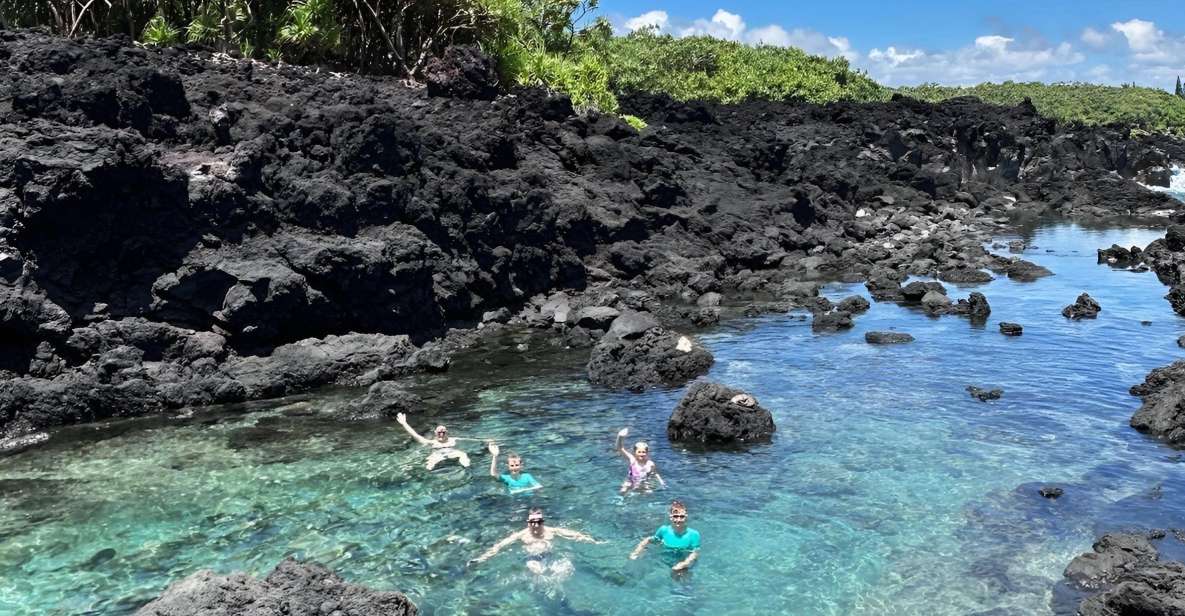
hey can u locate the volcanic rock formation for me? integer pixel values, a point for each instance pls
(713, 413)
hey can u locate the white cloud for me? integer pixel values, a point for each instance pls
(1149, 44)
(649, 19)
(1094, 38)
(731, 26)
(988, 58)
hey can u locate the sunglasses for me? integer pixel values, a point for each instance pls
(535, 521)
(678, 516)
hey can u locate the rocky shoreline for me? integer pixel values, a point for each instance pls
(179, 228)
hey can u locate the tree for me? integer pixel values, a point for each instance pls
(1179, 91)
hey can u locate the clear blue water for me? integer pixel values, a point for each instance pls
(887, 489)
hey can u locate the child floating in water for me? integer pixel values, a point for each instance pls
(536, 540)
(675, 537)
(443, 447)
(641, 466)
(516, 480)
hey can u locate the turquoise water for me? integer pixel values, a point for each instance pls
(886, 490)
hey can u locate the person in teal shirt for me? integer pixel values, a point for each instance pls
(516, 480)
(675, 537)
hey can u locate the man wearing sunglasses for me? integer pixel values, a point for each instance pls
(536, 539)
(443, 447)
(675, 537)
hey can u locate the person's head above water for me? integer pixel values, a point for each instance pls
(641, 451)
(514, 462)
(678, 513)
(535, 521)
(441, 433)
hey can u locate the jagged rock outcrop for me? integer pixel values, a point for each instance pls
(1128, 577)
(1162, 413)
(292, 589)
(716, 414)
(1085, 307)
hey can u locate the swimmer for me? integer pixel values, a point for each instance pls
(675, 537)
(536, 539)
(443, 447)
(516, 480)
(641, 466)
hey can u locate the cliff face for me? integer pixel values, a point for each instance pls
(178, 228)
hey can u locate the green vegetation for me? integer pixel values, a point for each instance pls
(638, 123)
(1147, 108)
(556, 44)
(701, 67)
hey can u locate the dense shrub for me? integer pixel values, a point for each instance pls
(701, 67)
(1148, 108)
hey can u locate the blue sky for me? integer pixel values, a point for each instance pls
(951, 42)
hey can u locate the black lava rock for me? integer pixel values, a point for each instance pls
(464, 71)
(1011, 329)
(1085, 307)
(713, 413)
(1051, 491)
(983, 395)
(887, 337)
(292, 588)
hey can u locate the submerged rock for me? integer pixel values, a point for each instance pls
(983, 395)
(1085, 307)
(656, 357)
(384, 399)
(965, 276)
(714, 413)
(293, 588)
(887, 337)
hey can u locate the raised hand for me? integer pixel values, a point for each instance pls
(400, 417)
(493, 447)
(624, 432)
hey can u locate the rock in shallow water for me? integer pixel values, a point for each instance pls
(1011, 329)
(292, 589)
(1051, 492)
(1127, 568)
(657, 356)
(1085, 307)
(714, 413)
(1163, 412)
(887, 337)
(983, 395)
(383, 399)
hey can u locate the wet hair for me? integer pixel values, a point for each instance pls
(678, 505)
(534, 511)
(513, 456)
(440, 429)
(641, 445)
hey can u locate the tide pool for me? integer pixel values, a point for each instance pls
(887, 488)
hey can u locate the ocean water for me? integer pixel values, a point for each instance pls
(887, 489)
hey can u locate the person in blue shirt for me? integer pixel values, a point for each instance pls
(516, 480)
(675, 537)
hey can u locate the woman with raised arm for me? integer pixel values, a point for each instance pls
(443, 447)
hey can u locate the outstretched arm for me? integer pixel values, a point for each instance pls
(686, 562)
(494, 460)
(402, 419)
(640, 547)
(573, 535)
(618, 446)
(498, 547)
